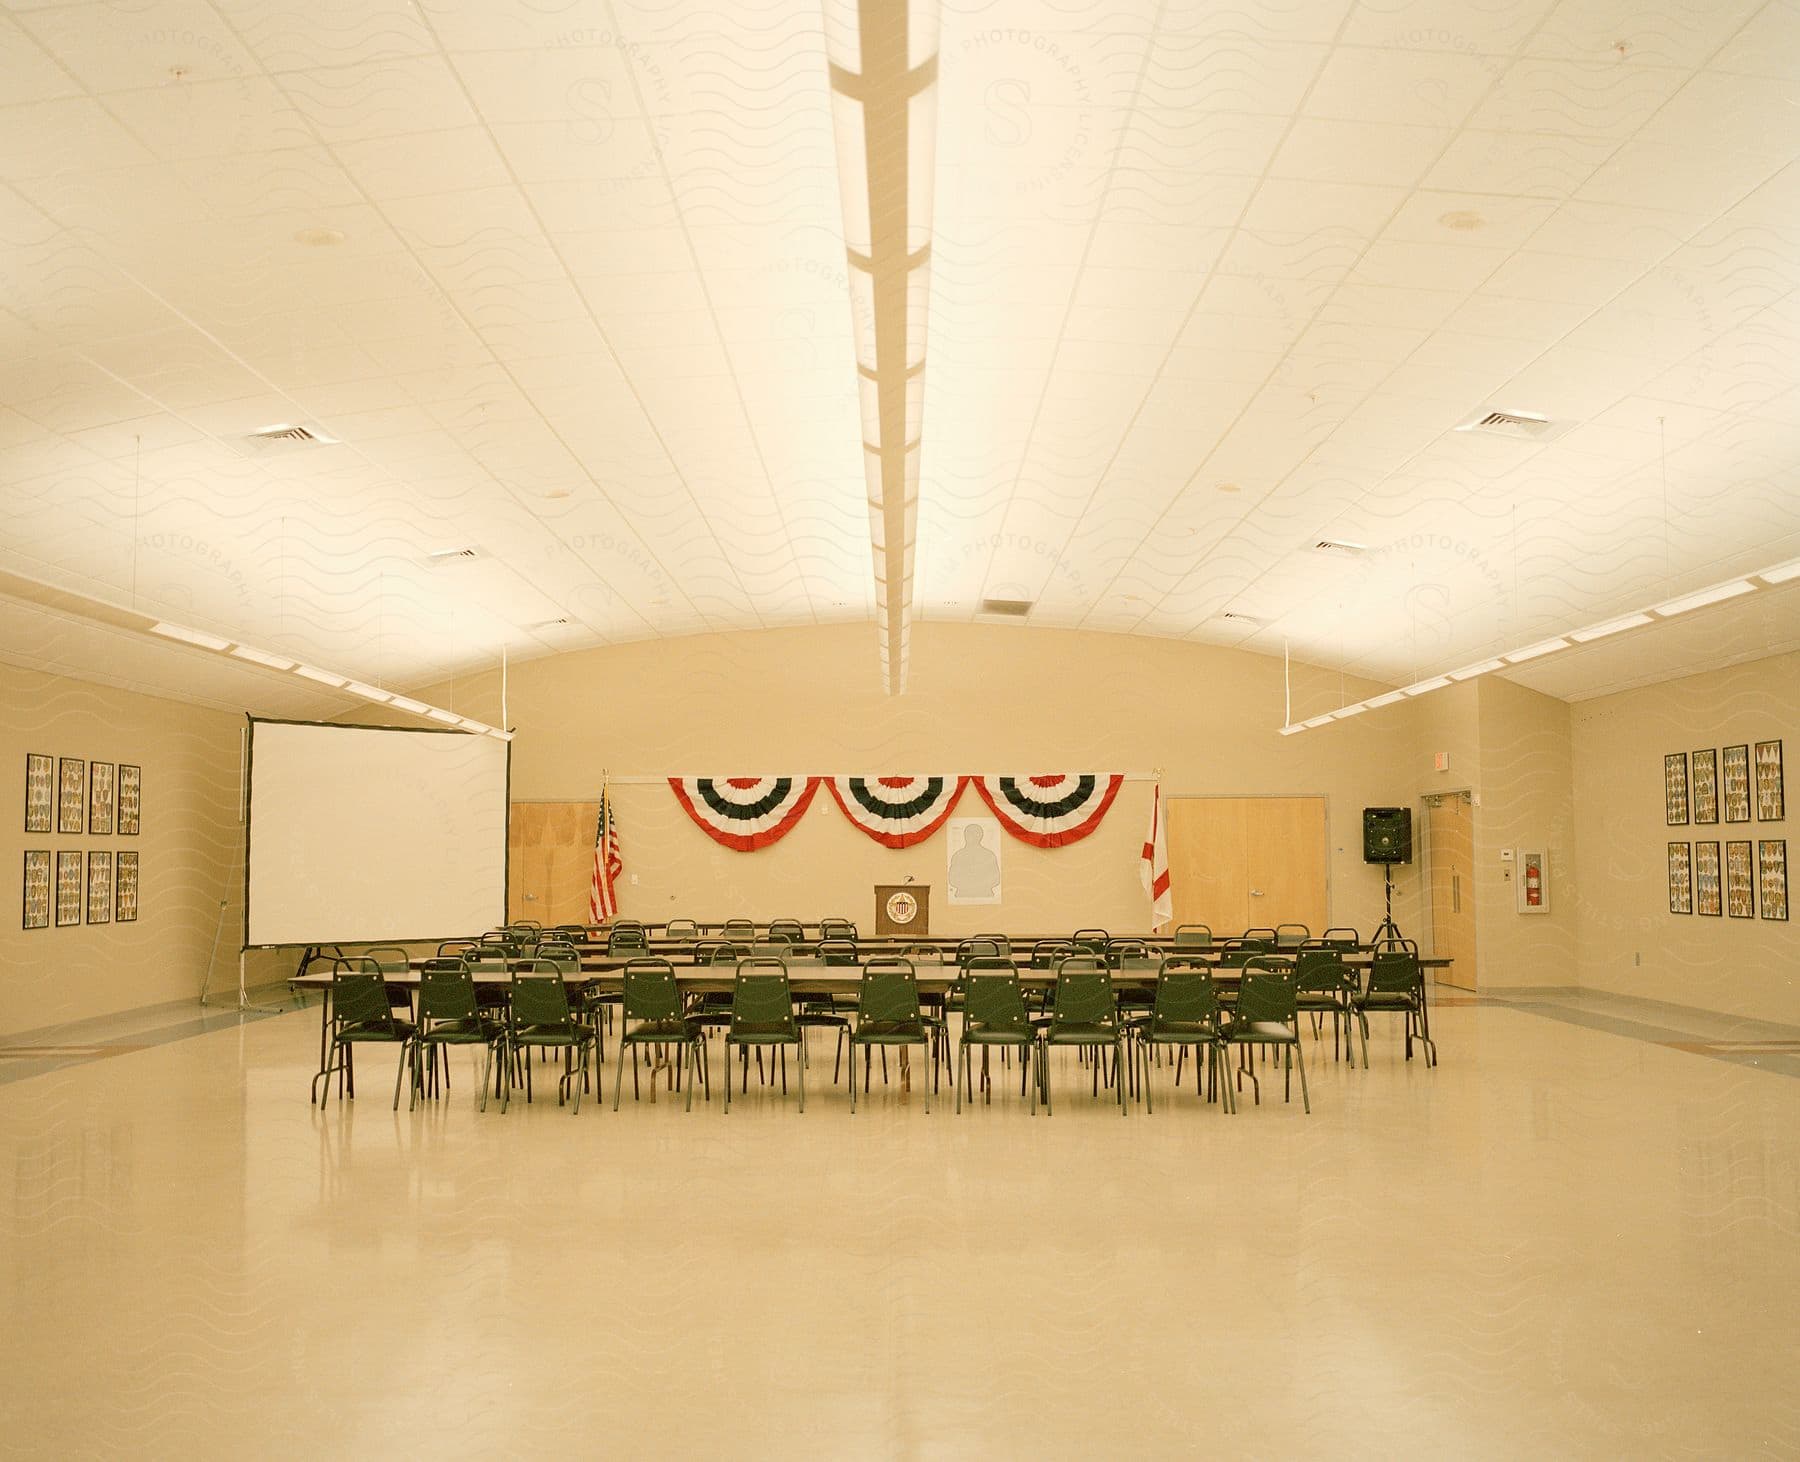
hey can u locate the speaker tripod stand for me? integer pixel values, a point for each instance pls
(1388, 931)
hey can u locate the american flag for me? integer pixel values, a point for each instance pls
(603, 897)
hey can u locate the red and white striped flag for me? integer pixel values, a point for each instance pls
(1153, 868)
(603, 896)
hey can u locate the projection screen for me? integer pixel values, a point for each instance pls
(359, 833)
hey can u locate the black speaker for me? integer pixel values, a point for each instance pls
(1387, 835)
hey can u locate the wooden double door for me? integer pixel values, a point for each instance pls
(1238, 863)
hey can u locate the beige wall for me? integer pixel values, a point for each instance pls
(1509, 746)
(1629, 941)
(982, 698)
(191, 847)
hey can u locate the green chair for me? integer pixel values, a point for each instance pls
(1267, 1014)
(1324, 987)
(361, 1015)
(541, 1018)
(1190, 937)
(786, 931)
(650, 997)
(450, 1015)
(1083, 1014)
(837, 929)
(1184, 1015)
(739, 931)
(1090, 941)
(681, 929)
(762, 1014)
(625, 938)
(1396, 987)
(1342, 937)
(1291, 936)
(888, 1014)
(994, 1014)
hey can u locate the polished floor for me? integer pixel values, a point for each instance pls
(1576, 1238)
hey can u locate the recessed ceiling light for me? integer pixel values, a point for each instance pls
(1531, 652)
(1387, 700)
(261, 657)
(1469, 672)
(190, 636)
(1610, 627)
(320, 238)
(324, 677)
(556, 494)
(1701, 598)
(1437, 682)
(1782, 573)
(1229, 487)
(1463, 220)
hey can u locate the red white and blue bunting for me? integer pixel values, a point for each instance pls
(1050, 810)
(745, 813)
(897, 811)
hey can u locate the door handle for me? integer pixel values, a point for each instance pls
(1256, 893)
(1456, 893)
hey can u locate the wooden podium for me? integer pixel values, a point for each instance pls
(903, 909)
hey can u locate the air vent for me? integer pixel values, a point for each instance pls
(548, 624)
(1005, 608)
(285, 436)
(1523, 426)
(452, 555)
(1337, 545)
(1244, 619)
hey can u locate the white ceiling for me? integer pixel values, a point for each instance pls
(1209, 283)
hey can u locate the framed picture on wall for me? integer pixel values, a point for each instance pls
(40, 792)
(1675, 788)
(68, 887)
(71, 795)
(101, 788)
(125, 885)
(131, 796)
(1706, 785)
(1740, 884)
(1681, 879)
(1735, 774)
(35, 893)
(1708, 894)
(1771, 877)
(1771, 800)
(99, 887)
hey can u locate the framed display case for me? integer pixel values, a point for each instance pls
(40, 793)
(99, 886)
(1740, 882)
(35, 891)
(131, 797)
(1771, 798)
(102, 786)
(1772, 878)
(1681, 879)
(1705, 779)
(1675, 789)
(1708, 887)
(68, 887)
(71, 795)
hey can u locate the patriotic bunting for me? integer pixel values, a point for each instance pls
(897, 811)
(745, 813)
(1053, 810)
(1047, 811)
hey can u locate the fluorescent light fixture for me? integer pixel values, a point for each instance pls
(1781, 573)
(1610, 627)
(447, 717)
(498, 734)
(367, 692)
(324, 677)
(1437, 682)
(1718, 594)
(190, 636)
(1531, 652)
(1292, 730)
(1387, 700)
(1324, 720)
(405, 703)
(1344, 712)
(261, 657)
(1469, 672)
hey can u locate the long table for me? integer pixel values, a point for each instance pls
(806, 976)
